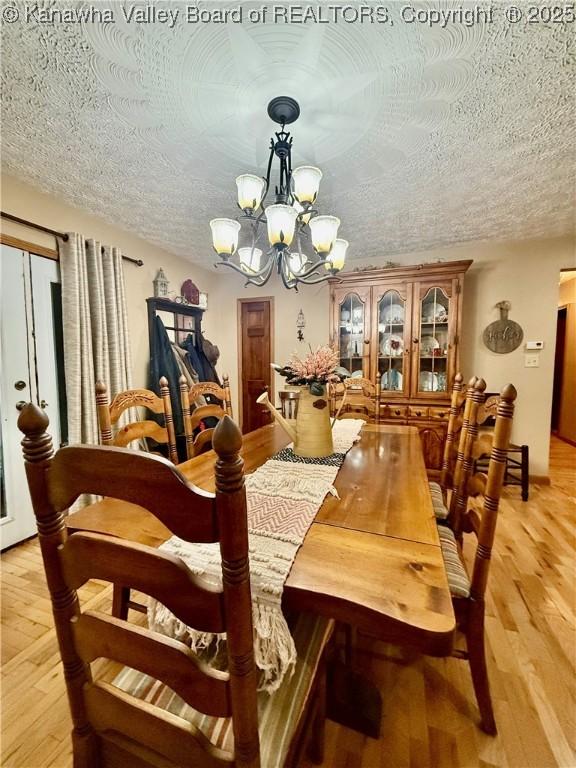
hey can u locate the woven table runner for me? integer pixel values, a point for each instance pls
(283, 497)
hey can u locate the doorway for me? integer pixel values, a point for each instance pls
(558, 367)
(564, 389)
(29, 299)
(255, 323)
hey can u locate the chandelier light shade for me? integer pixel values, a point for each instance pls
(250, 258)
(306, 182)
(324, 230)
(297, 262)
(284, 209)
(225, 236)
(337, 255)
(281, 224)
(250, 191)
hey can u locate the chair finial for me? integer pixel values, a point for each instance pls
(37, 443)
(509, 393)
(227, 438)
(480, 385)
(100, 388)
(32, 420)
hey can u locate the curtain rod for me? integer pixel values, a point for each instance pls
(55, 233)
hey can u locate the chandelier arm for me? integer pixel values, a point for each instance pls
(261, 272)
(312, 269)
(320, 279)
(289, 284)
(268, 266)
(240, 271)
(250, 280)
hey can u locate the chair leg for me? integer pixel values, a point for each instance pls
(525, 477)
(478, 668)
(317, 738)
(120, 599)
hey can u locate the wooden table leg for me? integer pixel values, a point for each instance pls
(353, 700)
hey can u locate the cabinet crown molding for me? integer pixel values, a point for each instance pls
(413, 271)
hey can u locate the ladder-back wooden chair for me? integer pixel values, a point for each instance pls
(439, 490)
(361, 400)
(213, 718)
(468, 593)
(464, 458)
(463, 415)
(518, 456)
(201, 442)
(109, 414)
(336, 391)
(108, 417)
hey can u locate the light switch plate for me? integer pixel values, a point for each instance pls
(534, 345)
(531, 361)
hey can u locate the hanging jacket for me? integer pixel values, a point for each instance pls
(163, 363)
(199, 361)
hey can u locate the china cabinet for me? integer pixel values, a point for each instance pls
(401, 326)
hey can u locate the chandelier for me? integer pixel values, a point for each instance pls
(299, 242)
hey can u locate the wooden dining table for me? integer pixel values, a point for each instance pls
(371, 558)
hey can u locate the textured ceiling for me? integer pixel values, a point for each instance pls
(426, 136)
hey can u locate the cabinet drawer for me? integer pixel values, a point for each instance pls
(418, 411)
(440, 414)
(395, 411)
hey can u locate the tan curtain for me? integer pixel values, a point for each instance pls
(96, 339)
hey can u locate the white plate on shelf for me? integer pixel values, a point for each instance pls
(392, 345)
(391, 380)
(428, 381)
(356, 375)
(436, 313)
(393, 314)
(427, 345)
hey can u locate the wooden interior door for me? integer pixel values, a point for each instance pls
(255, 357)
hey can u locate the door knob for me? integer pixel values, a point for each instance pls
(20, 404)
(43, 404)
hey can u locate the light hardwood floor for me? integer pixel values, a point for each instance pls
(430, 716)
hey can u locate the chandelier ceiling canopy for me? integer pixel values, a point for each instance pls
(301, 244)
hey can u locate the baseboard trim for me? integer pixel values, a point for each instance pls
(540, 479)
(565, 439)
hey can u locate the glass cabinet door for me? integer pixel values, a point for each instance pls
(352, 332)
(433, 343)
(392, 319)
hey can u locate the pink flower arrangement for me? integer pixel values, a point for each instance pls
(319, 367)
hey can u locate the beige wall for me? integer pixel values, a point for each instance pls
(567, 416)
(28, 203)
(525, 273)
(313, 300)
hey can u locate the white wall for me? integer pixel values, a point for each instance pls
(28, 203)
(524, 273)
